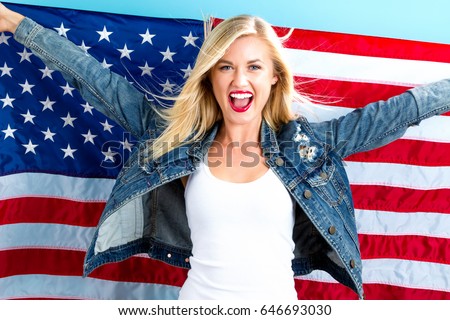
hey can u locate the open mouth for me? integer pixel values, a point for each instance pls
(240, 101)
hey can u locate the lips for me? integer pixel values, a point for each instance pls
(240, 101)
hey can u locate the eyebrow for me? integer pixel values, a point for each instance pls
(248, 62)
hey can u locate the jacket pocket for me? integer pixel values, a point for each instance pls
(326, 182)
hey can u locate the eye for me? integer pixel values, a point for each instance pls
(225, 68)
(254, 67)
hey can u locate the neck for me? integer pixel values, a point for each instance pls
(238, 133)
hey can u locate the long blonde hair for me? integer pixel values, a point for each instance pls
(196, 110)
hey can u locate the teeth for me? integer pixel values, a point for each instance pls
(241, 95)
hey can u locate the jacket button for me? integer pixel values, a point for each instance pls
(279, 162)
(332, 230)
(323, 175)
(352, 263)
(307, 194)
(169, 255)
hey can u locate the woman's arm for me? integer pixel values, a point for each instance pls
(382, 122)
(108, 92)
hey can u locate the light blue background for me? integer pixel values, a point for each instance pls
(407, 19)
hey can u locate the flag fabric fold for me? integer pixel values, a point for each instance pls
(59, 157)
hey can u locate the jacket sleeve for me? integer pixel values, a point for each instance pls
(382, 122)
(108, 92)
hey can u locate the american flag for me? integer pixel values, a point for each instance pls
(59, 157)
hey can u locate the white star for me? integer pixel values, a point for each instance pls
(106, 65)
(25, 55)
(147, 37)
(106, 126)
(68, 152)
(89, 137)
(61, 30)
(125, 52)
(84, 47)
(4, 38)
(167, 55)
(187, 71)
(26, 87)
(167, 86)
(9, 132)
(28, 117)
(146, 69)
(46, 72)
(190, 40)
(48, 104)
(6, 70)
(127, 145)
(7, 101)
(87, 107)
(109, 155)
(68, 120)
(48, 135)
(67, 89)
(104, 34)
(30, 147)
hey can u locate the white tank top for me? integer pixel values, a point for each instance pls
(242, 238)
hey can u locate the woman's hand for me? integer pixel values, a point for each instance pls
(9, 20)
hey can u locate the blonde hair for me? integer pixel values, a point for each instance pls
(196, 110)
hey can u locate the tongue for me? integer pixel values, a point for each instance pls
(241, 103)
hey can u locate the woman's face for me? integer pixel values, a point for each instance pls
(242, 80)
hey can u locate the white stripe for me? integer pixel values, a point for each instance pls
(403, 273)
(45, 235)
(433, 129)
(36, 235)
(398, 175)
(388, 223)
(58, 186)
(338, 66)
(406, 273)
(67, 287)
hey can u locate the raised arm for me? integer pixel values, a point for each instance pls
(9, 20)
(382, 122)
(108, 92)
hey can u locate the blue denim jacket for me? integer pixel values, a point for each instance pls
(146, 210)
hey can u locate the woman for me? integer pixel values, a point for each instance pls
(228, 182)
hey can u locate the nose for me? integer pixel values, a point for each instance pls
(240, 78)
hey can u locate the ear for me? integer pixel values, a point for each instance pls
(274, 80)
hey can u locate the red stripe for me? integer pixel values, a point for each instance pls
(50, 210)
(411, 247)
(410, 152)
(313, 290)
(70, 263)
(142, 270)
(400, 199)
(348, 94)
(41, 261)
(366, 45)
(362, 45)
(389, 292)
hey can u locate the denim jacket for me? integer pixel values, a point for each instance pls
(146, 210)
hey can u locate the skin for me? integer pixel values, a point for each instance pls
(9, 20)
(245, 68)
